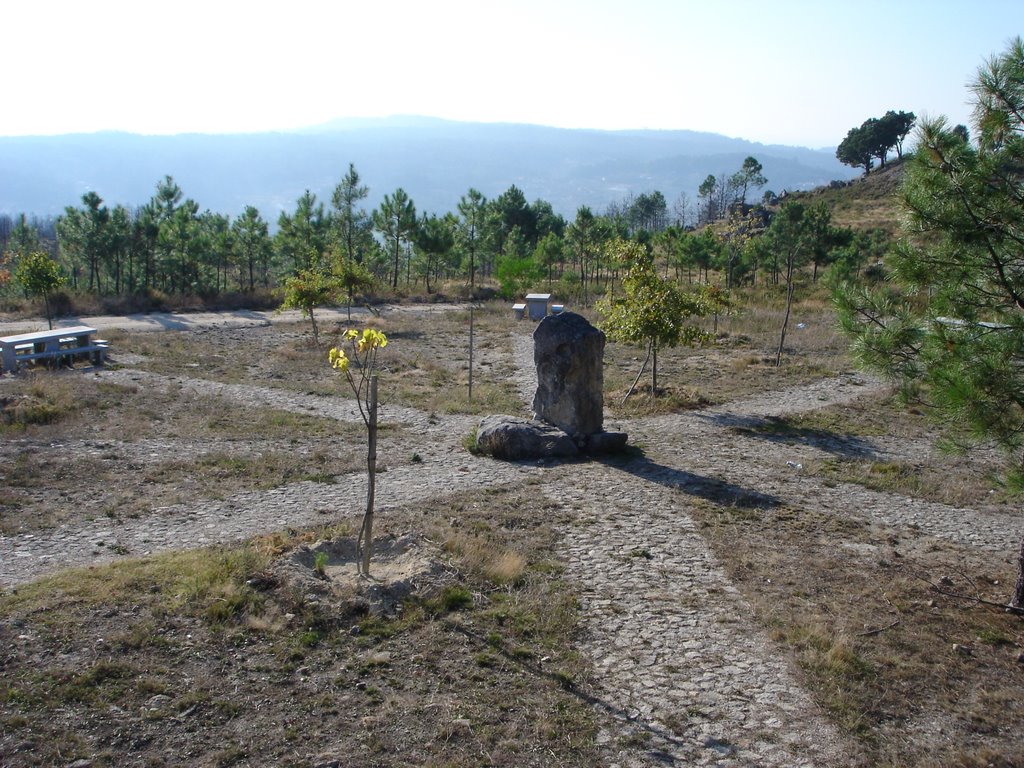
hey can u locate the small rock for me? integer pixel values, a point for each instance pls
(155, 702)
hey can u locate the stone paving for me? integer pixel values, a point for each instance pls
(685, 674)
(671, 639)
(677, 660)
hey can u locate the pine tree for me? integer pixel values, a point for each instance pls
(950, 327)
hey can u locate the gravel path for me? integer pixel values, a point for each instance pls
(679, 663)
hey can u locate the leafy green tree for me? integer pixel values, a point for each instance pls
(302, 236)
(181, 246)
(824, 240)
(699, 250)
(857, 149)
(84, 237)
(749, 176)
(353, 227)
(798, 235)
(351, 276)
(733, 237)
(119, 245)
(24, 237)
(145, 233)
(875, 137)
(511, 211)
(517, 271)
(308, 289)
(435, 240)
(168, 196)
(654, 312)
(395, 220)
(219, 256)
(949, 327)
(39, 275)
(549, 252)
(548, 222)
(648, 212)
(253, 245)
(708, 206)
(861, 257)
(586, 238)
(895, 127)
(788, 237)
(472, 211)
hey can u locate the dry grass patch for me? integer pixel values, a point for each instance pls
(425, 365)
(204, 656)
(863, 429)
(741, 360)
(898, 665)
(120, 450)
(487, 560)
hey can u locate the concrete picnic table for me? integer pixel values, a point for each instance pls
(53, 344)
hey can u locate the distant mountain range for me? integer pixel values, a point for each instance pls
(435, 161)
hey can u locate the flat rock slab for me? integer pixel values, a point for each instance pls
(604, 442)
(514, 439)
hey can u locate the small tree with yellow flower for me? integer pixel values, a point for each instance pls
(364, 348)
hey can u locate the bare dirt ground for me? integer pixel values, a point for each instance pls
(766, 579)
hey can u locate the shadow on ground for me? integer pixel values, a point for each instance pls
(708, 488)
(777, 430)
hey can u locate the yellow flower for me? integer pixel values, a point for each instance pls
(371, 339)
(351, 334)
(339, 360)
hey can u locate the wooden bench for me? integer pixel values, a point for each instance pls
(53, 346)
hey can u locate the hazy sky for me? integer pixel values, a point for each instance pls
(797, 72)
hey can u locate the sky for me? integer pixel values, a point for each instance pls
(795, 72)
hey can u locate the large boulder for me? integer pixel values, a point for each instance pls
(569, 353)
(513, 439)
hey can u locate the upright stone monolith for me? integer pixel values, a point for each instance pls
(569, 354)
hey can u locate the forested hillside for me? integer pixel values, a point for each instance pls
(434, 161)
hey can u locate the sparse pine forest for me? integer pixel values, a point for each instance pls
(169, 252)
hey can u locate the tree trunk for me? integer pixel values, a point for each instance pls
(1018, 590)
(789, 304)
(654, 370)
(366, 534)
(641, 373)
(316, 331)
(394, 280)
